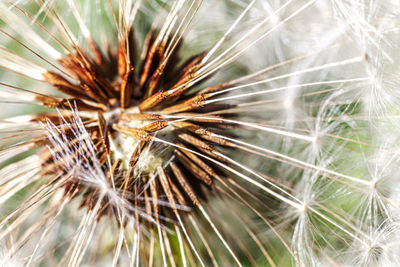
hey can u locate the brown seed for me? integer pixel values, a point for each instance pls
(138, 134)
(193, 103)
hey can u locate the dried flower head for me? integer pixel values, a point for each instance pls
(167, 138)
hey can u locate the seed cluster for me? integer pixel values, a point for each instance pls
(130, 114)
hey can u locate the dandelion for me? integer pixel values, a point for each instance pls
(199, 133)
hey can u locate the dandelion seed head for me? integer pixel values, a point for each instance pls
(199, 133)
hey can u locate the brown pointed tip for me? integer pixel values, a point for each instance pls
(140, 117)
(122, 62)
(153, 100)
(127, 85)
(103, 132)
(195, 102)
(138, 134)
(155, 126)
(185, 185)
